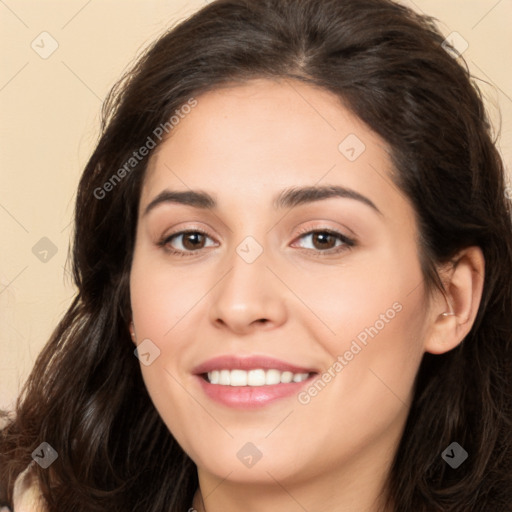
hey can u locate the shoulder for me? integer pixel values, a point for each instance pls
(27, 496)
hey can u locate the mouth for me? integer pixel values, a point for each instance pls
(251, 382)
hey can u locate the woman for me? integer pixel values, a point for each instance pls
(293, 252)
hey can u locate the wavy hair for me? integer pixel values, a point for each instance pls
(85, 395)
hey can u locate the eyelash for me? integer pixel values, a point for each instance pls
(347, 243)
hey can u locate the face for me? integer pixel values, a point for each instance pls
(276, 287)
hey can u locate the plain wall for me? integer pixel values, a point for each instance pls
(49, 121)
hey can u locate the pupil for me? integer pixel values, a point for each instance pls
(323, 238)
(193, 240)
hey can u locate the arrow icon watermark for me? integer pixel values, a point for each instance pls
(44, 250)
(351, 147)
(45, 455)
(146, 352)
(249, 454)
(454, 455)
(249, 249)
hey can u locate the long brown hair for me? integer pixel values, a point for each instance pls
(86, 397)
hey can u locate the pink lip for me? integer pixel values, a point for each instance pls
(249, 397)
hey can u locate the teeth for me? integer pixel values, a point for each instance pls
(224, 378)
(254, 377)
(272, 377)
(238, 378)
(258, 377)
(286, 377)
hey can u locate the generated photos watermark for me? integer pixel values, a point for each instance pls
(151, 142)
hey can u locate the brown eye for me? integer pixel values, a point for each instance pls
(187, 241)
(325, 241)
(192, 241)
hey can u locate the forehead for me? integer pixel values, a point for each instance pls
(263, 136)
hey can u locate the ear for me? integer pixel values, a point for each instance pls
(131, 328)
(453, 314)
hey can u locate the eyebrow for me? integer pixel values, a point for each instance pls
(288, 198)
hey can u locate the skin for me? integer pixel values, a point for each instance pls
(243, 145)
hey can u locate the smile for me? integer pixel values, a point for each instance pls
(251, 381)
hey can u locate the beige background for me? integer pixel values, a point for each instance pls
(49, 118)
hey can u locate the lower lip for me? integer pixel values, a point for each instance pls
(250, 397)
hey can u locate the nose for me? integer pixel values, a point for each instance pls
(249, 297)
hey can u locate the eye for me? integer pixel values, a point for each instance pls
(321, 241)
(326, 241)
(185, 242)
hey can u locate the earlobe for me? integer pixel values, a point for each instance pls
(131, 328)
(453, 317)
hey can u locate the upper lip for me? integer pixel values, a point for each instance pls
(233, 362)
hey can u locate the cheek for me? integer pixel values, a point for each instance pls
(361, 298)
(158, 304)
(162, 298)
(366, 389)
(373, 327)
(375, 354)
(164, 305)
